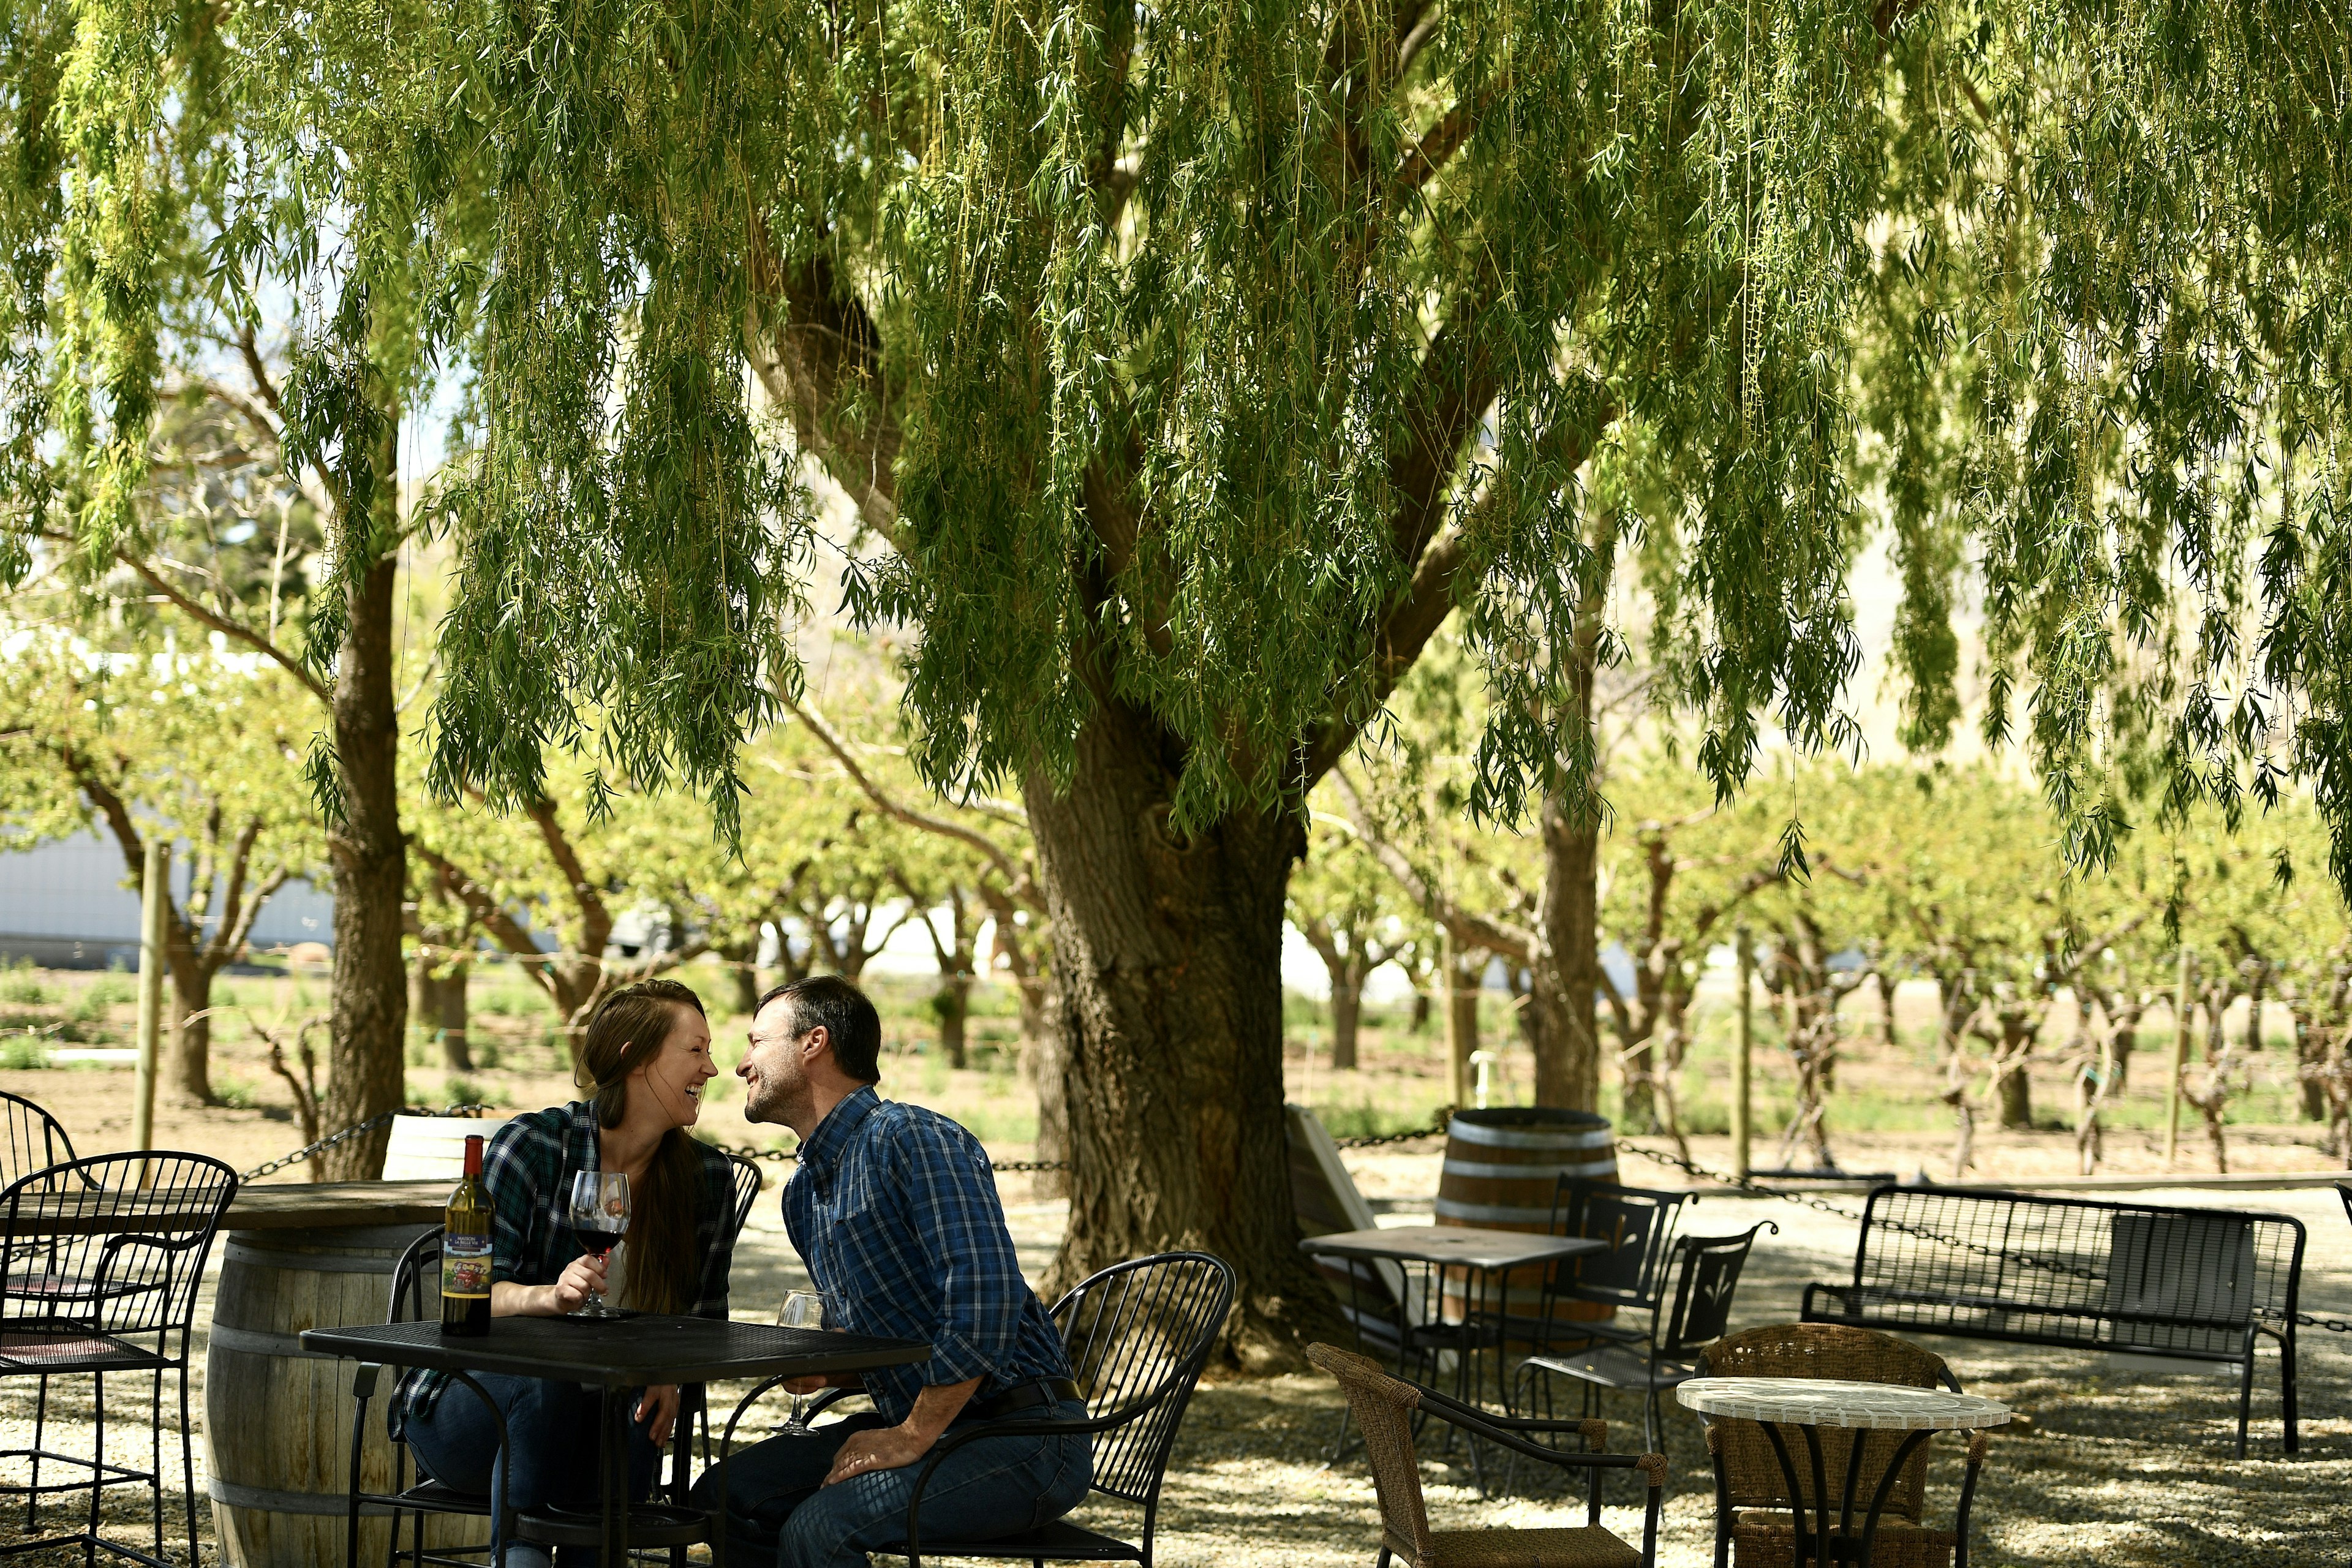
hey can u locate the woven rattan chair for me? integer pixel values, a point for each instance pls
(1752, 1493)
(1385, 1407)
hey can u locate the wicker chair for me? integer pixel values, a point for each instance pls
(1752, 1493)
(1384, 1408)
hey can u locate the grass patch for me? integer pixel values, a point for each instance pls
(238, 1093)
(20, 985)
(24, 1051)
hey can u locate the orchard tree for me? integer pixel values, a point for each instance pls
(204, 748)
(1346, 908)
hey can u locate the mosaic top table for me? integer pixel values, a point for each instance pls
(1810, 1404)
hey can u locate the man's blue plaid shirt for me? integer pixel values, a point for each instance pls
(527, 1169)
(894, 1211)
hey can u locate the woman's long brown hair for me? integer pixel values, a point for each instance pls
(630, 1028)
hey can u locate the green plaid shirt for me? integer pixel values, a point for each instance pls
(527, 1169)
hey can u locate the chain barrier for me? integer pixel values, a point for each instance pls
(360, 1131)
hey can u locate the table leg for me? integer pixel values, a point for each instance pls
(1855, 1439)
(612, 1472)
(1885, 1489)
(1806, 1547)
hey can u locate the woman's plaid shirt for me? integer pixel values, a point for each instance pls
(527, 1169)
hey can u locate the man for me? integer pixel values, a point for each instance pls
(893, 1213)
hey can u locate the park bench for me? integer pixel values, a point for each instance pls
(2187, 1284)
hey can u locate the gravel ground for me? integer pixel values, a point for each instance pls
(2121, 1465)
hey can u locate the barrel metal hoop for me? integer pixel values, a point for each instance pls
(265, 1341)
(1496, 1214)
(310, 1262)
(235, 1494)
(1513, 1138)
(1483, 1171)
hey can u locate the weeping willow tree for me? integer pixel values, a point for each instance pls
(1188, 366)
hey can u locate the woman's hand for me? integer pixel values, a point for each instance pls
(510, 1299)
(570, 1292)
(659, 1406)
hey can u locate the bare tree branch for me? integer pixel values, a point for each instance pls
(226, 626)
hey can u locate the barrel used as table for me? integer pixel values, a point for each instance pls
(1502, 1170)
(278, 1418)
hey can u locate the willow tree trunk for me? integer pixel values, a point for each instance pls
(1564, 1017)
(1168, 963)
(371, 1007)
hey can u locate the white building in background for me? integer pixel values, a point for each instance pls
(67, 905)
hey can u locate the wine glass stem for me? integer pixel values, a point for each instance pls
(799, 1419)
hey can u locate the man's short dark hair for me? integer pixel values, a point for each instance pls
(850, 1022)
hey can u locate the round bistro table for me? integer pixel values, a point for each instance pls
(1810, 1404)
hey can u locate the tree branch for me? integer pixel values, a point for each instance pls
(1018, 881)
(595, 920)
(488, 913)
(817, 361)
(1424, 158)
(1467, 925)
(227, 628)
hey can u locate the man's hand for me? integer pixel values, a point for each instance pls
(660, 1406)
(889, 1448)
(895, 1446)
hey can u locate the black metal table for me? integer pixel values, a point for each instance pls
(617, 1356)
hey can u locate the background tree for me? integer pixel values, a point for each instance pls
(1347, 910)
(197, 747)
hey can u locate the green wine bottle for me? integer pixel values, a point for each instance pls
(466, 1252)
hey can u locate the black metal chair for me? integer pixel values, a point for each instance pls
(748, 1182)
(1706, 1272)
(1138, 1333)
(131, 1234)
(1638, 1224)
(34, 1140)
(2344, 1191)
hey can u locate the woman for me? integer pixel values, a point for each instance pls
(646, 1056)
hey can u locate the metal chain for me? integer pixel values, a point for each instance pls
(790, 1156)
(348, 1133)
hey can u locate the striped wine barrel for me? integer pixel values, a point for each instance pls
(1502, 1170)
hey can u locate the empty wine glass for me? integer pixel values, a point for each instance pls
(801, 1310)
(600, 1214)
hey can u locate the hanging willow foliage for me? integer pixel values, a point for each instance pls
(1199, 356)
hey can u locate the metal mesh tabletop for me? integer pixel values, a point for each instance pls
(622, 1353)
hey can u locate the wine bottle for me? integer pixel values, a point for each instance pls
(466, 1252)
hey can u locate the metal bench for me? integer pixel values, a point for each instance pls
(2187, 1284)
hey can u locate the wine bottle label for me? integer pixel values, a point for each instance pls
(465, 1266)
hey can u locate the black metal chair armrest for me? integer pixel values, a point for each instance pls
(1485, 1426)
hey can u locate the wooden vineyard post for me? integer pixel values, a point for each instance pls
(2179, 1056)
(1739, 1060)
(154, 897)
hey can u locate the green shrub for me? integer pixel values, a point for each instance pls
(110, 990)
(236, 1092)
(21, 983)
(21, 1051)
(460, 1090)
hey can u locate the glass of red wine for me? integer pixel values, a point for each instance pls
(600, 1214)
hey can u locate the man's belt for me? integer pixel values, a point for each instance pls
(1023, 1397)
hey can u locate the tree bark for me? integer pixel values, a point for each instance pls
(1168, 958)
(2015, 1090)
(187, 1068)
(746, 974)
(953, 1004)
(437, 1004)
(1563, 1018)
(371, 1006)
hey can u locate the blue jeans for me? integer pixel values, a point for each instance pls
(779, 1515)
(553, 1426)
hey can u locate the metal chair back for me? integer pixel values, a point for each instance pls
(1637, 1224)
(421, 1261)
(2344, 1191)
(748, 1182)
(134, 1258)
(30, 1138)
(1138, 1333)
(1706, 1275)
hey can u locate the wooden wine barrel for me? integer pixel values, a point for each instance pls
(277, 1419)
(1502, 1170)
